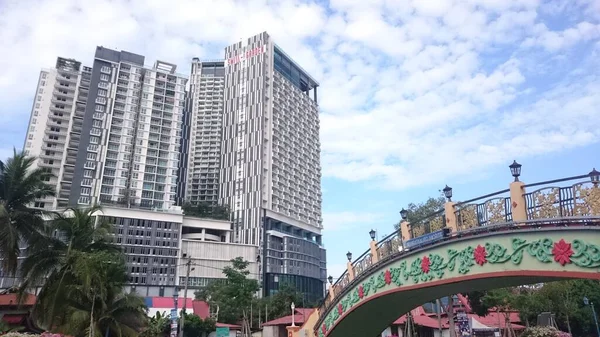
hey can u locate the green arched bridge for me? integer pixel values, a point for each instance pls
(507, 238)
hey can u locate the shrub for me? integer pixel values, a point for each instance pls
(541, 331)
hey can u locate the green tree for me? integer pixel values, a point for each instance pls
(279, 303)
(206, 210)
(96, 304)
(418, 212)
(234, 296)
(52, 259)
(562, 298)
(198, 327)
(20, 186)
(158, 326)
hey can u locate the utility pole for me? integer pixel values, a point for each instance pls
(187, 277)
(439, 316)
(451, 315)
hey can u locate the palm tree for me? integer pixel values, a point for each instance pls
(96, 303)
(20, 186)
(52, 259)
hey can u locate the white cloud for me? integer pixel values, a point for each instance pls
(342, 221)
(410, 91)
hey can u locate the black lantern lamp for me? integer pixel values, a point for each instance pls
(594, 177)
(372, 234)
(448, 192)
(330, 279)
(349, 256)
(404, 214)
(515, 170)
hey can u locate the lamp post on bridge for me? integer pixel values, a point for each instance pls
(587, 302)
(594, 177)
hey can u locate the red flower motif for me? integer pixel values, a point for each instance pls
(562, 252)
(388, 277)
(340, 309)
(324, 328)
(425, 264)
(361, 292)
(479, 254)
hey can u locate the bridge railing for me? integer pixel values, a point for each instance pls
(553, 201)
(579, 200)
(481, 211)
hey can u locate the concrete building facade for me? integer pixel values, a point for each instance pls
(55, 126)
(205, 114)
(132, 127)
(270, 166)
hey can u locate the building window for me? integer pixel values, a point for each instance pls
(39, 205)
(94, 140)
(84, 200)
(105, 69)
(99, 108)
(102, 93)
(100, 100)
(44, 75)
(86, 190)
(88, 173)
(103, 85)
(104, 77)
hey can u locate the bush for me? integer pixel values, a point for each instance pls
(541, 331)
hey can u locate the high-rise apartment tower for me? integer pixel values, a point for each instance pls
(270, 166)
(204, 117)
(132, 126)
(55, 126)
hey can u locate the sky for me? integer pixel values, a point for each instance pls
(413, 94)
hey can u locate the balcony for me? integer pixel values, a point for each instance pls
(62, 93)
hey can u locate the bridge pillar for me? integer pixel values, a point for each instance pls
(292, 331)
(374, 255)
(350, 271)
(517, 201)
(405, 230)
(450, 216)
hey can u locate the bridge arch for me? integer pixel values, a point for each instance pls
(550, 234)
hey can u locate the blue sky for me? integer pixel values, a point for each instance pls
(414, 94)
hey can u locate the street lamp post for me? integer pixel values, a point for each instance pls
(174, 314)
(587, 302)
(293, 307)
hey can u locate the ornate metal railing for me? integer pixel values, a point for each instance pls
(549, 204)
(362, 263)
(431, 223)
(581, 199)
(493, 208)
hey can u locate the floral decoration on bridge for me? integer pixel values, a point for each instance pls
(435, 266)
(562, 252)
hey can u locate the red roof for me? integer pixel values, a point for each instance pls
(14, 319)
(492, 320)
(11, 299)
(230, 326)
(423, 319)
(300, 316)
